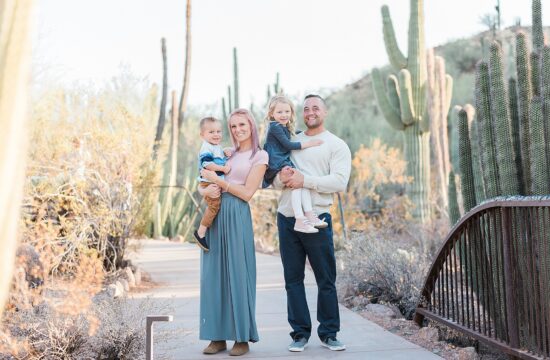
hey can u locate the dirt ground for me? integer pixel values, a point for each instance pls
(438, 339)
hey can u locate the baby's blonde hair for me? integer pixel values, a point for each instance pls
(281, 99)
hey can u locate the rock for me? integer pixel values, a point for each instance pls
(119, 289)
(344, 290)
(128, 275)
(29, 259)
(396, 311)
(359, 302)
(125, 284)
(428, 334)
(137, 276)
(111, 290)
(381, 310)
(468, 353)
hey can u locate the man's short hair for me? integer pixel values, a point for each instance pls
(208, 119)
(315, 96)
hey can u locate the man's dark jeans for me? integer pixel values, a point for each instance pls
(319, 249)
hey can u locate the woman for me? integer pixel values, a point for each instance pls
(228, 270)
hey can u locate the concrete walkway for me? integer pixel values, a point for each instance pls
(175, 267)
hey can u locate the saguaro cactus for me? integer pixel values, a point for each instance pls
(235, 79)
(14, 70)
(440, 87)
(162, 112)
(182, 106)
(404, 103)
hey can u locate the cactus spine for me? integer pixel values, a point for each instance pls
(410, 93)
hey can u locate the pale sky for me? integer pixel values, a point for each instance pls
(313, 44)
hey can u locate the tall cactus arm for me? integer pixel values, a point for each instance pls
(485, 129)
(15, 30)
(397, 59)
(538, 32)
(545, 69)
(405, 91)
(383, 102)
(449, 92)
(416, 61)
(393, 93)
(501, 122)
(539, 169)
(516, 128)
(476, 156)
(524, 98)
(466, 172)
(454, 211)
(535, 73)
(235, 79)
(545, 84)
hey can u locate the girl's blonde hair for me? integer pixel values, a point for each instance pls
(281, 99)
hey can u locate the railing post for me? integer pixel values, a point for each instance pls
(511, 304)
(341, 207)
(149, 333)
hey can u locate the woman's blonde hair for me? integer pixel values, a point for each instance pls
(281, 99)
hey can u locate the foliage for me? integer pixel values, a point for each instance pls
(378, 174)
(387, 260)
(89, 172)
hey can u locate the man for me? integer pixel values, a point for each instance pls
(324, 170)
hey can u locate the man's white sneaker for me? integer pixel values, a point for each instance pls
(333, 344)
(298, 344)
(315, 221)
(303, 225)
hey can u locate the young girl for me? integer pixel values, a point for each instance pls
(282, 120)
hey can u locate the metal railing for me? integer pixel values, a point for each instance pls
(149, 355)
(491, 278)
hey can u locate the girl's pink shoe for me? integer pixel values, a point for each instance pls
(315, 221)
(303, 225)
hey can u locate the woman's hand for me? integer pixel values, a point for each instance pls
(228, 152)
(209, 175)
(212, 191)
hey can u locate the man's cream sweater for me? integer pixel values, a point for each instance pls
(326, 170)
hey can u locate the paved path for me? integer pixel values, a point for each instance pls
(175, 267)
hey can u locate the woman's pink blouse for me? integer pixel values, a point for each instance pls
(241, 164)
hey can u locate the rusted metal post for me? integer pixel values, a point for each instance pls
(149, 337)
(341, 208)
(511, 306)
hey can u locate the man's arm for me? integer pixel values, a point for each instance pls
(335, 181)
(279, 182)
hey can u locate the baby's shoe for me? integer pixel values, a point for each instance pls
(303, 225)
(315, 221)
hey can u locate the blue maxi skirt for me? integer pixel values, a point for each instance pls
(228, 276)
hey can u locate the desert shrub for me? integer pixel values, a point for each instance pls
(109, 329)
(263, 207)
(121, 334)
(89, 173)
(377, 175)
(388, 261)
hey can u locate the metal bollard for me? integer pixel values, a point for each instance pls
(149, 337)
